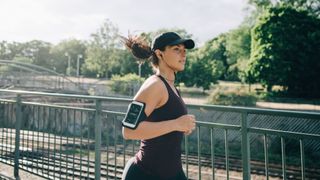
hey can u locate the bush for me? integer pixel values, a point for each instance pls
(128, 84)
(236, 97)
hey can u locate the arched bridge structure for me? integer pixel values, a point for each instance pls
(20, 75)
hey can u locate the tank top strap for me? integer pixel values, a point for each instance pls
(178, 92)
(169, 89)
(164, 81)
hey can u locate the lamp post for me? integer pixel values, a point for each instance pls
(78, 64)
(139, 66)
(68, 69)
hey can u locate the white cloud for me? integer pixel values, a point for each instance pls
(54, 20)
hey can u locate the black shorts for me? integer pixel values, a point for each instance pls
(134, 172)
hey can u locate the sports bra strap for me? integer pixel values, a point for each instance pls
(168, 86)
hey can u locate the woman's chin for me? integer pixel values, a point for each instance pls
(180, 69)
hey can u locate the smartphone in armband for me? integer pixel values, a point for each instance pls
(135, 114)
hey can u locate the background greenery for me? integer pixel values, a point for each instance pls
(277, 46)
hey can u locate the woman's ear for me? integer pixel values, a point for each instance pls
(159, 54)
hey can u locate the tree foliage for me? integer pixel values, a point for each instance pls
(238, 48)
(214, 49)
(74, 49)
(128, 84)
(311, 6)
(101, 52)
(200, 70)
(286, 51)
(37, 50)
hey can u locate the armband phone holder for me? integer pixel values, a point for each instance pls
(135, 114)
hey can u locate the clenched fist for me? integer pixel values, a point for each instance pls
(186, 123)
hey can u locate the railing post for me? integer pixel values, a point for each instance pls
(97, 124)
(186, 148)
(245, 146)
(17, 137)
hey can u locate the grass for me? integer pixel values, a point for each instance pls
(240, 92)
(234, 93)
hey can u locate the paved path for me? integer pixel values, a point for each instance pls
(289, 106)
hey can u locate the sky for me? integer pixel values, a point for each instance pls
(57, 20)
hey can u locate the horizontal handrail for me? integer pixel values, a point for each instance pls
(290, 134)
(265, 111)
(66, 129)
(218, 125)
(66, 95)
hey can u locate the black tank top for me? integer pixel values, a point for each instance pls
(161, 156)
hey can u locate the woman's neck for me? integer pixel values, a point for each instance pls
(167, 75)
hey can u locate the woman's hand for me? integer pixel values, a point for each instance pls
(186, 123)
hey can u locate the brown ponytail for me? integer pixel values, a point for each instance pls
(140, 49)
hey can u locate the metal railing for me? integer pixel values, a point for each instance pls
(61, 136)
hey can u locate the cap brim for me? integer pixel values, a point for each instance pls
(188, 43)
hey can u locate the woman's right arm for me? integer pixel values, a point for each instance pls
(154, 94)
(148, 130)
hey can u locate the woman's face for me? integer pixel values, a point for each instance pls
(175, 56)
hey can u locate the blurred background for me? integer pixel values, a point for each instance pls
(257, 53)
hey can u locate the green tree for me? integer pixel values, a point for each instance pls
(74, 49)
(128, 84)
(200, 72)
(214, 50)
(38, 51)
(4, 51)
(185, 76)
(238, 47)
(312, 6)
(285, 52)
(9, 50)
(205, 65)
(102, 53)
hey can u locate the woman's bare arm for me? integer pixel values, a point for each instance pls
(154, 94)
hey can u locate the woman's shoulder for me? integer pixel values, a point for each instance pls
(152, 87)
(153, 84)
(153, 92)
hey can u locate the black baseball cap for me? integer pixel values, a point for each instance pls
(170, 39)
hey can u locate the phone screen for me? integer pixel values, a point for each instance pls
(133, 114)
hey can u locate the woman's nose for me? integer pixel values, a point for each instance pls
(183, 52)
